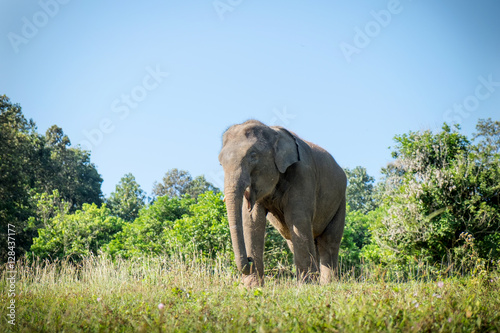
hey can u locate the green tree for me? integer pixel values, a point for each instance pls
(32, 164)
(177, 183)
(204, 229)
(69, 170)
(48, 206)
(488, 138)
(76, 235)
(17, 138)
(200, 185)
(357, 235)
(360, 190)
(146, 234)
(360, 207)
(439, 186)
(127, 199)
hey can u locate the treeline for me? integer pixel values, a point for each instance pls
(185, 216)
(438, 202)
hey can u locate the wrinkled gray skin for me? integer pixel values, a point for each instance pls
(271, 172)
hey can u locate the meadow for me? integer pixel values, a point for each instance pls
(192, 294)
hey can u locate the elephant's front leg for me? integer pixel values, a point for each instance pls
(304, 249)
(254, 230)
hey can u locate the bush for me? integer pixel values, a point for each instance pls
(172, 226)
(357, 235)
(147, 233)
(76, 235)
(440, 186)
(204, 229)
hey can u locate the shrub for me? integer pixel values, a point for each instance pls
(204, 229)
(76, 235)
(147, 233)
(440, 186)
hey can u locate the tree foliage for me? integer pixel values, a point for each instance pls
(204, 229)
(31, 164)
(147, 234)
(440, 187)
(172, 225)
(17, 138)
(177, 183)
(488, 138)
(360, 190)
(361, 205)
(127, 199)
(69, 170)
(73, 235)
(357, 235)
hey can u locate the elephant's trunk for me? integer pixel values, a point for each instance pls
(234, 190)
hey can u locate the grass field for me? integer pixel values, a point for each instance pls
(156, 295)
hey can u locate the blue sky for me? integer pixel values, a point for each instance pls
(150, 86)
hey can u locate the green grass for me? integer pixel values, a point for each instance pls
(101, 296)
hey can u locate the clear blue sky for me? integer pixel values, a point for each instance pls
(156, 83)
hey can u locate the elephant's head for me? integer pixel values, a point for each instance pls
(253, 156)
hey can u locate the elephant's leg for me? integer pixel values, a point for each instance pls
(329, 245)
(290, 245)
(279, 225)
(254, 230)
(304, 249)
(282, 229)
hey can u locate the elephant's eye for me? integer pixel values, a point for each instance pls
(254, 157)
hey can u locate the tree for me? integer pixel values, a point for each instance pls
(200, 185)
(69, 170)
(17, 137)
(203, 230)
(438, 189)
(357, 236)
(33, 164)
(488, 137)
(146, 234)
(360, 211)
(76, 235)
(359, 190)
(127, 199)
(177, 183)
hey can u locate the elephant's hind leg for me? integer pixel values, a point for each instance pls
(328, 244)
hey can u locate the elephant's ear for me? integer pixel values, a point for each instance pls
(286, 149)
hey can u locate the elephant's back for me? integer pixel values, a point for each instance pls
(327, 168)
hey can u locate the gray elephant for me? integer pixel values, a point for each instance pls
(271, 172)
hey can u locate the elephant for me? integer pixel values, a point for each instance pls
(270, 172)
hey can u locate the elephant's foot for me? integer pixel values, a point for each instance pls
(325, 279)
(328, 275)
(252, 281)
